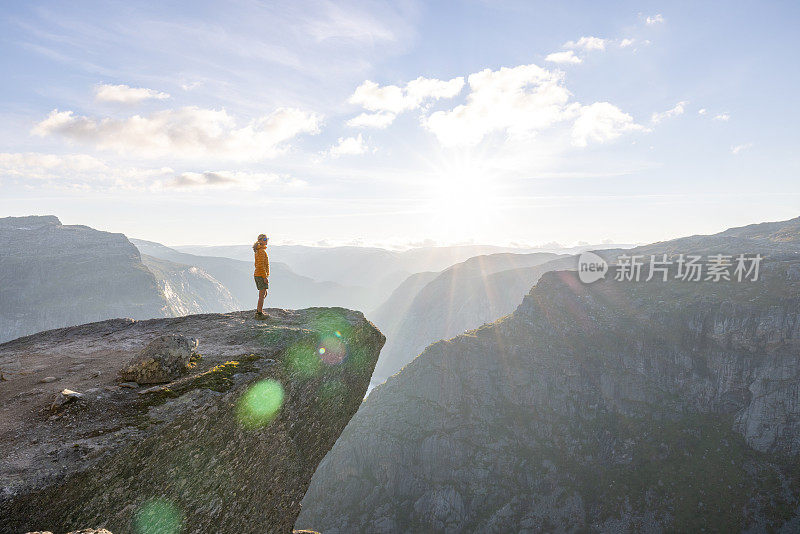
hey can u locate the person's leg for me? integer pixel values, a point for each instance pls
(261, 294)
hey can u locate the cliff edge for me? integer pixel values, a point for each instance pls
(230, 446)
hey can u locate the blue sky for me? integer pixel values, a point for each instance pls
(400, 123)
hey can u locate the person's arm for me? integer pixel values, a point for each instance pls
(266, 261)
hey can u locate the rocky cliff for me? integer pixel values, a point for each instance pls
(54, 275)
(610, 407)
(228, 447)
(464, 296)
(189, 289)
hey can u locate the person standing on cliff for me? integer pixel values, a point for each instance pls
(261, 273)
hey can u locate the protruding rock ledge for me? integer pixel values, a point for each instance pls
(233, 443)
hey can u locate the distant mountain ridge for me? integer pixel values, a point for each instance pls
(189, 289)
(287, 289)
(611, 407)
(56, 275)
(464, 296)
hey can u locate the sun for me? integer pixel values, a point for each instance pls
(463, 199)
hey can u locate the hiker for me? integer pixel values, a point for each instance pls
(261, 274)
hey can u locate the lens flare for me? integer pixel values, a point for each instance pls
(260, 404)
(157, 516)
(332, 351)
(304, 359)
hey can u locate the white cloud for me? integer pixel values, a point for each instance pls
(626, 43)
(125, 94)
(513, 100)
(348, 146)
(71, 170)
(381, 119)
(191, 85)
(739, 148)
(184, 132)
(563, 57)
(39, 165)
(601, 122)
(587, 43)
(520, 102)
(390, 100)
(88, 172)
(679, 109)
(338, 22)
(702, 111)
(722, 117)
(227, 180)
(654, 19)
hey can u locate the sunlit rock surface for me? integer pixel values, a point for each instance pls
(229, 448)
(189, 289)
(55, 275)
(612, 407)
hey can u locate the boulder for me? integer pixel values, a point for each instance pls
(163, 360)
(65, 397)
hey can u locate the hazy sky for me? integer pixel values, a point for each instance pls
(396, 123)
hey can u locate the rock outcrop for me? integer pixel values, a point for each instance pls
(230, 447)
(611, 407)
(164, 359)
(54, 275)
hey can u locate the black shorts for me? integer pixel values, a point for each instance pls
(261, 282)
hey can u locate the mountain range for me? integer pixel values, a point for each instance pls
(57, 275)
(617, 406)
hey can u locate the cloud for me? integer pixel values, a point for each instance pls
(587, 44)
(601, 122)
(39, 165)
(184, 132)
(513, 100)
(722, 117)
(626, 43)
(348, 146)
(337, 22)
(87, 172)
(76, 170)
(390, 100)
(520, 102)
(702, 111)
(679, 109)
(563, 57)
(654, 19)
(125, 94)
(739, 148)
(227, 180)
(380, 120)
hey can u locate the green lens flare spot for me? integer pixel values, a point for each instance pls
(260, 404)
(157, 516)
(303, 359)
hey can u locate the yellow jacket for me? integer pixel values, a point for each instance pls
(262, 261)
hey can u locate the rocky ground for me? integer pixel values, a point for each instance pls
(229, 447)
